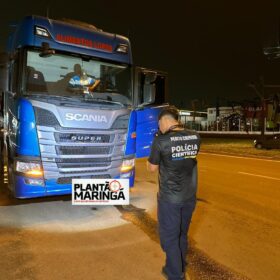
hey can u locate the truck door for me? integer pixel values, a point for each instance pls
(10, 107)
(150, 92)
(6, 97)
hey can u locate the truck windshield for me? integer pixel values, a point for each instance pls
(70, 76)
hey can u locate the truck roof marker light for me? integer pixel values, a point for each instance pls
(41, 32)
(122, 48)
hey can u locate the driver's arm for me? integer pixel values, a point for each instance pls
(96, 83)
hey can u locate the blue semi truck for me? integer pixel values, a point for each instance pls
(74, 106)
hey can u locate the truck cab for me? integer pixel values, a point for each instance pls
(74, 106)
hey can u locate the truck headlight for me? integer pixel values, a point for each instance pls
(29, 168)
(127, 165)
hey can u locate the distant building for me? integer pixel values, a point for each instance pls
(248, 117)
(223, 112)
(194, 120)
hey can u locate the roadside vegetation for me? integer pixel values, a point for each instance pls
(242, 147)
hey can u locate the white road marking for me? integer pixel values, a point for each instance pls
(252, 158)
(256, 175)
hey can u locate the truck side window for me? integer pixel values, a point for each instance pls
(160, 90)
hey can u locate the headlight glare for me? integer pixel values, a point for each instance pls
(127, 165)
(29, 168)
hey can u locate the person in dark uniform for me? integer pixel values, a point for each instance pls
(173, 154)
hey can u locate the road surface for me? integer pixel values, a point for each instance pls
(237, 222)
(235, 233)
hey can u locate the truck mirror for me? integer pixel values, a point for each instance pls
(149, 88)
(150, 77)
(46, 51)
(149, 94)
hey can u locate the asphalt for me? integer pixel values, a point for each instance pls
(237, 221)
(235, 231)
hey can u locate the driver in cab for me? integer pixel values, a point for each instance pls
(81, 80)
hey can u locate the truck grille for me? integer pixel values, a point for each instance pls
(81, 138)
(69, 153)
(83, 162)
(74, 150)
(88, 172)
(68, 180)
(45, 117)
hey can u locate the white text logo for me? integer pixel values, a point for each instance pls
(86, 117)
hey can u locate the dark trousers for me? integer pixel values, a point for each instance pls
(174, 221)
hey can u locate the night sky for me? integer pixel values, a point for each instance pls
(211, 49)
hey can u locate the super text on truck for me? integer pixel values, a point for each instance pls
(74, 106)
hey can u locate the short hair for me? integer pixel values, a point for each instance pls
(77, 68)
(170, 111)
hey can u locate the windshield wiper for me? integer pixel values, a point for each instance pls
(46, 95)
(80, 97)
(65, 97)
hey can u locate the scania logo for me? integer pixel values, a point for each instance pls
(86, 117)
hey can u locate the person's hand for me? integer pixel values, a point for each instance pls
(96, 83)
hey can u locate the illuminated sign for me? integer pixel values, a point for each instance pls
(84, 42)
